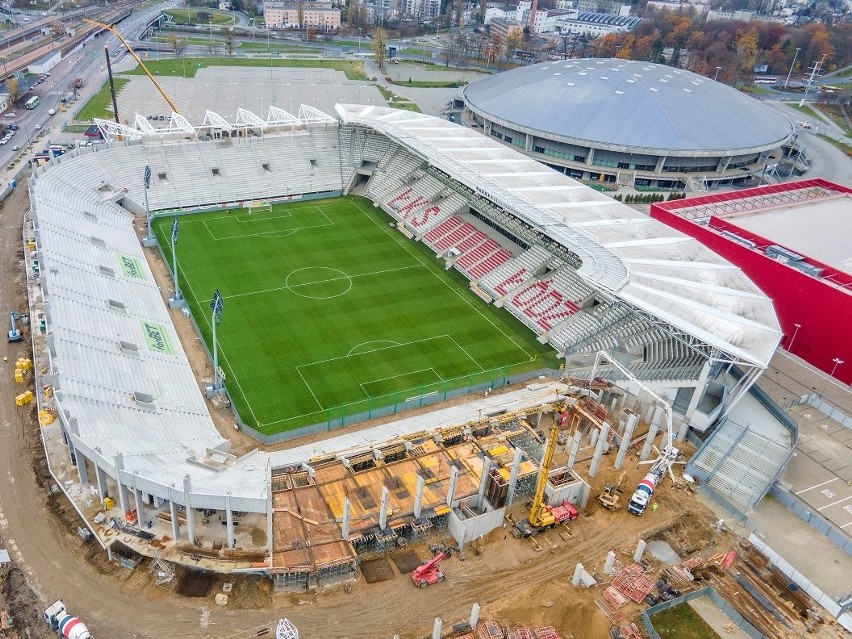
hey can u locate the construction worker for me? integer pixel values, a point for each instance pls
(654, 507)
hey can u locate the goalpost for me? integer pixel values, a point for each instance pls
(259, 206)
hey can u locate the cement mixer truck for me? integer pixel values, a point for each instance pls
(65, 625)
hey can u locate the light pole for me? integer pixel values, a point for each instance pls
(716, 77)
(790, 72)
(837, 362)
(150, 240)
(216, 305)
(359, 39)
(177, 301)
(793, 339)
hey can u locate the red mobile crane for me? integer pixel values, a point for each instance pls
(430, 572)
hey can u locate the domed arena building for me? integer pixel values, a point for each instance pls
(630, 123)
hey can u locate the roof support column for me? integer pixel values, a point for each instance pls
(229, 521)
(190, 512)
(661, 162)
(118, 460)
(173, 511)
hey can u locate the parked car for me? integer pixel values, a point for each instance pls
(4, 141)
(11, 114)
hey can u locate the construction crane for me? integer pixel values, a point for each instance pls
(130, 50)
(431, 572)
(667, 457)
(542, 516)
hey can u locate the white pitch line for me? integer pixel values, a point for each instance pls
(382, 379)
(383, 348)
(466, 353)
(331, 279)
(310, 389)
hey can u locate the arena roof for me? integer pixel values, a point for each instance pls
(629, 104)
(624, 252)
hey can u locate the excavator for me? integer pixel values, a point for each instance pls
(431, 572)
(610, 497)
(542, 516)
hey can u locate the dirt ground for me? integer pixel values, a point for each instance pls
(514, 581)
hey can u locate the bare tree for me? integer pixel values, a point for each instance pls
(300, 16)
(229, 41)
(176, 43)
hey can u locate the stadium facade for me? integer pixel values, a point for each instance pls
(577, 268)
(630, 123)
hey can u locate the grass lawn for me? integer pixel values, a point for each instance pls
(189, 40)
(326, 305)
(98, 105)
(190, 16)
(397, 101)
(808, 111)
(177, 67)
(754, 89)
(840, 145)
(274, 46)
(430, 84)
(682, 622)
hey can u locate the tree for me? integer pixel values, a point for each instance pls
(300, 15)
(176, 43)
(229, 41)
(482, 8)
(380, 46)
(13, 87)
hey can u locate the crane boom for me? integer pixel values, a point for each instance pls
(538, 512)
(118, 35)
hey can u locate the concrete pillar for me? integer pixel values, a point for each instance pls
(418, 498)
(575, 448)
(229, 521)
(513, 478)
(118, 460)
(593, 436)
(700, 387)
(383, 513)
(625, 440)
(609, 563)
(599, 449)
(640, 550)
(346, 514)
(652, 434)
(190, 512)
(613, 404)
(109, 552)
(100, 476)
(437, 629)
(173, 511)
(451, 491)
(578, 574)
(82, 471)
(474, 616)
(140, 507)
(483, 481)
(649, 413)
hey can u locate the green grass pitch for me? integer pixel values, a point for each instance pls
(330, 310)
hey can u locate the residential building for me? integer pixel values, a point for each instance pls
(285, 15)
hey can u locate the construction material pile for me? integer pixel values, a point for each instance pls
(493, 630)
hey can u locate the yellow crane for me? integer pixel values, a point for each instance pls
(542, 516)
(130, 50)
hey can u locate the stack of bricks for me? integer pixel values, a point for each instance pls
(489, 630)
(610, 603)
(633, 582)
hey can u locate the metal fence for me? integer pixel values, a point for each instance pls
(719, 601)
(338, 417)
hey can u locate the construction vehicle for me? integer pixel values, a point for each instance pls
(431, 572)
(543, 516)
(65, 625)
(641, 498)
(14, 331)
(610, 497)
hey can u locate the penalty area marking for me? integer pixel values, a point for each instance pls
(382, 379)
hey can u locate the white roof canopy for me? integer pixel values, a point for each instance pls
(634, 258)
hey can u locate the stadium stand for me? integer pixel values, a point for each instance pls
(576, 267)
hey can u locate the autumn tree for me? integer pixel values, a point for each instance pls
(13, 88)
(380, 46)
(230, 44)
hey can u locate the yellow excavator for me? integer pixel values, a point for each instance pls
(543, 516)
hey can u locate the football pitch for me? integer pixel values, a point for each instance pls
(329, 311)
